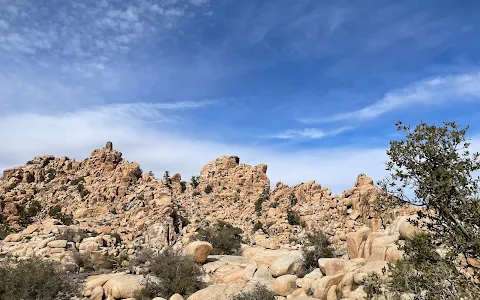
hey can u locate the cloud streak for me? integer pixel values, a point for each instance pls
(433, 92)
(309, 133)
(76, 133)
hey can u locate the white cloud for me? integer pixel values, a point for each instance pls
(75, 134)
(434, 91)
(76, 33)
(309, 133)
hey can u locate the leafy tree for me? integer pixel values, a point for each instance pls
(167, 181)
(433, 168)
(194, 181)
(434, 163)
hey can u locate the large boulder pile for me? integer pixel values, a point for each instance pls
(104, 193)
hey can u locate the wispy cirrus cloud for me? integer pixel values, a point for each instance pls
(309, 133)
(85, 36)
(432, 91)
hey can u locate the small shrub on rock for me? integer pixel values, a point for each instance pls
(34, 279)
(225, 238)
(259, 293)
(208, 189)
(174, 273)
(56, 212)
(316, 245)
(293, 218)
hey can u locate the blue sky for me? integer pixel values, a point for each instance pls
(311, 88)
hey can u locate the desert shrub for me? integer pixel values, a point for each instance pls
(26, 214)
(194, 181)
(260, 292)
(265, 196)
(118, 238)
(196, 193)
(258, 226)
(208, 189)
(175, 273)
(316, 245)
(34, 208)
(183, 186)
(56, 212)
(51, 173)
(293, 218)
(83, 260)
(72, 235)
(224, 237)
(5, 230)
(35, 279)
(141, 257)
(293, 199)
(109, 262)
(275, 203)
(77, 181)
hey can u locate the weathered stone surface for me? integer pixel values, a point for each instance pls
(57, 244)
(199, 251)
(13, 237)
(320, 286)
(123, 286)
(355, 239)
(284, 285)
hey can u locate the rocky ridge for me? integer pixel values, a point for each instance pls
(121, 209)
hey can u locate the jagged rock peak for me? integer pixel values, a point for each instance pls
(109, 146)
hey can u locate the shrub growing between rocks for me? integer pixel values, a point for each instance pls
(316, 245)
(34, 279)
(259, 293)
(174, 273)
(225, 238)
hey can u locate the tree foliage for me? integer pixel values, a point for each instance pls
(435, 164)
(432, 167)
(225, 238)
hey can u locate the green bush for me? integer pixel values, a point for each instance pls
(35, 279)
(56, 212)
(183, 186)
(175, 273)
(293, 218)
(258, 226)
(293, 199)
(265, 196)
(208, 189)
(316, 245)
(195, 181)
(224, 237)
(77, 181)
(259, 293)
(27, 214)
